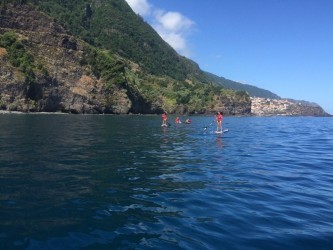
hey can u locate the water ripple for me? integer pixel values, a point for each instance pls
(116, 182)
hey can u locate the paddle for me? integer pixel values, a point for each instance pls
(205, 128)
(166, 125)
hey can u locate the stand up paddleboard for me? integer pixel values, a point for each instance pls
(221, 132)
(164, 125)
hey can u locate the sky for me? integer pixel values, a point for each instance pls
(284, 46)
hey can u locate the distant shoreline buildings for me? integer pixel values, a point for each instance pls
(287, 107)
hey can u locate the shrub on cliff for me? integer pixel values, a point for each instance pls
(18, 56)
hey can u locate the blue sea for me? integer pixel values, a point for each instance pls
(125, 182)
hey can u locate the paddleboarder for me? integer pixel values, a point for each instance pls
(164, 119)
(219, 118)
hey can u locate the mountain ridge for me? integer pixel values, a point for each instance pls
(180, 66)
(252, 90)
(51, 70)
(79, 77)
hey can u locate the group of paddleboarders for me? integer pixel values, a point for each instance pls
(218, 117)
(177, 120)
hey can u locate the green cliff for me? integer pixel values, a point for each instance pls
(57, 63)
(98, 56)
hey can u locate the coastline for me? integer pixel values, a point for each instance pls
(4, 112)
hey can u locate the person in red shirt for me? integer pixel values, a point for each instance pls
(164, 119)
(219, 118)
(177, 120)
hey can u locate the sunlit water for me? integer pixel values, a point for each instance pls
(125, 182)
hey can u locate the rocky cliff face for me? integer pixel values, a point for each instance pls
(67, 86)
(233, 106)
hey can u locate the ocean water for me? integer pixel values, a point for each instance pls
(125, 182)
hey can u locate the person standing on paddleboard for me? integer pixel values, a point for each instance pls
(219, 118)
(164, 119)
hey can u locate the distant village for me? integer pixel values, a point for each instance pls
(286, 107)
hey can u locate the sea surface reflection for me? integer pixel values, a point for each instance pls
(122, 182)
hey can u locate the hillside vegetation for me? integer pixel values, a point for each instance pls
(253, 91)
(135, 70)
(98, 56)
(112, 25)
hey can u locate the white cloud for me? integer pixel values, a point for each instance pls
(174, 21)
(141, 7)
(173, 27)
(175, 40)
